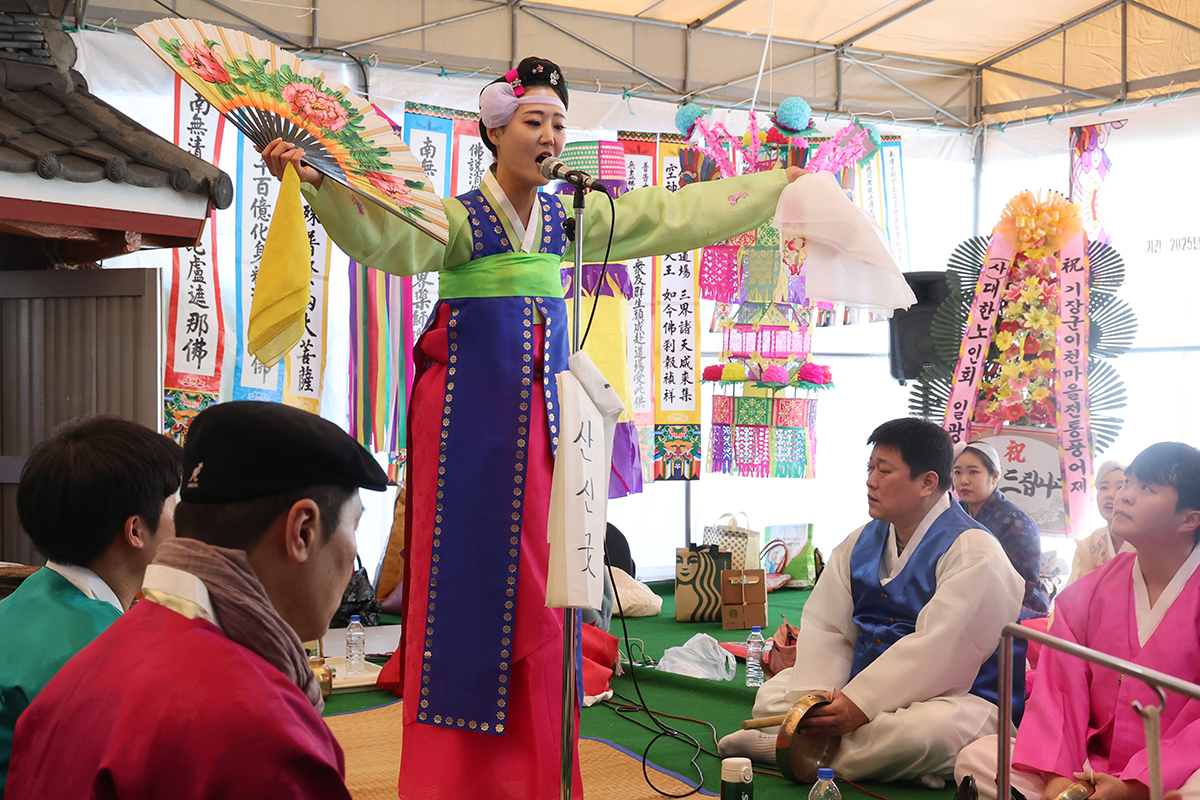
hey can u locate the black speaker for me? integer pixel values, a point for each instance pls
(911, 346)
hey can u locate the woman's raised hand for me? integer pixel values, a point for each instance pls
(278, 154)
(795, 172)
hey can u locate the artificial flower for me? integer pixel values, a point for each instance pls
(1004, 340)
(1040, 393)
(712, 372)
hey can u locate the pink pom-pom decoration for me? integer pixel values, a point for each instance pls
(712, 372)
(813, 373)
(775, 374)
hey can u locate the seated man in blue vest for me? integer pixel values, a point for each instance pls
(902, 629)
(97, 498)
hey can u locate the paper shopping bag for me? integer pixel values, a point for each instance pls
(742, 542)
(698, 583)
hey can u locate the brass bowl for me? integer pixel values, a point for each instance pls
(799, 755)
(324, 675)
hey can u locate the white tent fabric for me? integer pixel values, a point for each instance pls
(957, 63)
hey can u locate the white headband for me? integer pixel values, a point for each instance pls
(988, 453)
(1107, 467)
(498, 102)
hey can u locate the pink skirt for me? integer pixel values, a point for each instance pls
(440, 763)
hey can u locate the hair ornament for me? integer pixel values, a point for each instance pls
(514, 80)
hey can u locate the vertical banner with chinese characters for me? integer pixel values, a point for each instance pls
(641, 166)
(305, 365)
(895, 213)
(256, 193)
(196, 327)
(1071, 388)
(429, 133)
(1089, 172)
(677, 453)
(471, 158)
(981, 323)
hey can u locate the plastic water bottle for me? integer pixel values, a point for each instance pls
(737, 779)
(754, 654)
(824, 788)
(356, 646)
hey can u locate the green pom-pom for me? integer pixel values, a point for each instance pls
(686, 116)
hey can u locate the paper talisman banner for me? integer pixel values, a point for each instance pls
(641, 166)
(981, 324)
(1071, 388)
(677, 450)
(305, 369)
(256, 193)
(196, 326)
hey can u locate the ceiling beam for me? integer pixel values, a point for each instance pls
(883, 23)
(290, 42)
(754, 75)
(600, 50)
(1163, 15)
(1050, 34)
(1139, 85)
(1061, 86)
(910, 92)
(700, 23)
(416, 28)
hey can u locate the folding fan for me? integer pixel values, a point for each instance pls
(270, 94)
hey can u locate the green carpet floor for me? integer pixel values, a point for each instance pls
(724, 704)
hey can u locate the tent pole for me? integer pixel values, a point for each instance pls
(512, 47)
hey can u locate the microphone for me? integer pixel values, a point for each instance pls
(555, 170)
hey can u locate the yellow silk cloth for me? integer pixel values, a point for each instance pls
(281, 291)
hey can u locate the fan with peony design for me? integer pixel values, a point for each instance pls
(270, 94)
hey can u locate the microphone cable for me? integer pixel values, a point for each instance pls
(603, 272)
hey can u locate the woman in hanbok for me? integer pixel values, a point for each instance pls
(976, 478)
(480, 661)
(1098, 548)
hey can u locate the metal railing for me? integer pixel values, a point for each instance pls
(1152, 678)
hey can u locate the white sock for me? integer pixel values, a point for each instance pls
(755, 745)
(933, 781)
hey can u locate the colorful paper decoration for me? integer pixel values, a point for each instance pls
(763, 436)
(1090, 166)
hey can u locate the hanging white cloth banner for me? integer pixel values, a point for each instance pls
(588, 409)
(849, 260)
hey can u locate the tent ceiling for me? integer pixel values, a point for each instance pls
(957, 63)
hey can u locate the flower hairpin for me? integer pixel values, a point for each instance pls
(554, 78)
(539, 68)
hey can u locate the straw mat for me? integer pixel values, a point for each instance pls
(371, 741)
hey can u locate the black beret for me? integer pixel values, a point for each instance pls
(246, 450)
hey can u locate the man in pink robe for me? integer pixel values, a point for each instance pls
(1142, 607)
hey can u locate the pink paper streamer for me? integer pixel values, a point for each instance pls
(1071, 389)
(978, 337)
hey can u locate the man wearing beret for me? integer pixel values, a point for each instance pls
(204, 690)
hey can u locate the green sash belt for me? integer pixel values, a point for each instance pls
(504, 275)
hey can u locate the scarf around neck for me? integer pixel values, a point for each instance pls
(243, 608)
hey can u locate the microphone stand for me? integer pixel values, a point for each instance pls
(571, 615)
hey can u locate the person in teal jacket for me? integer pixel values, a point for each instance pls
(96, 498)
